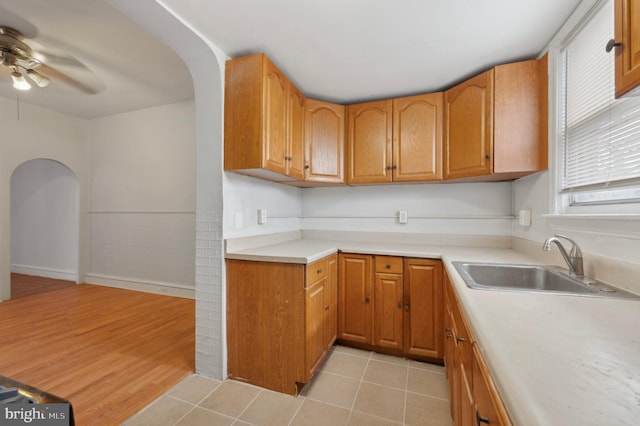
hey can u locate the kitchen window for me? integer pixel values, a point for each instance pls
(598, 150)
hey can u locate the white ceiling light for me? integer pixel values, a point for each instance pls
(38, 78)
(19, 82)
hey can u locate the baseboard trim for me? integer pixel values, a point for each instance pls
(147, 286)
(37, 271)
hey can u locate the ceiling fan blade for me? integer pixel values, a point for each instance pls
(90, 87)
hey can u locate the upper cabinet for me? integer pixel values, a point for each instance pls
(264, 113)
(495, 124)
(628, 52)
(324, 141)
(369, 142)
(395, 140)
(490, 127)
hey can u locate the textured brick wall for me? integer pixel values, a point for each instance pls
(209, 295)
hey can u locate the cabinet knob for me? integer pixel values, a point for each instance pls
(399, 305)
(366, 300)
(394, 167)
(319, 270)
(326, 308)
(388, 167)
(487, 156)
(406, 307)
(306, 166)
(611, 44)
(388, 266)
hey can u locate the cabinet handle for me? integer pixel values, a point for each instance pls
(406, 307)
(319, 270)
(326, 308)
(460, 339)
(480, 419)
(611, 44)
(366, 300)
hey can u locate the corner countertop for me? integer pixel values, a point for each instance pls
(555, 359)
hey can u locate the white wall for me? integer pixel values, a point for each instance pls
(244, 195)
(141, 177)
(463, 208)
(45, 220)
(37, 133)
(615, 238)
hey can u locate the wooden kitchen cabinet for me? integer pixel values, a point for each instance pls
(417, 138)
(395, 140)
(473, 397)
(324, 141)
(388, 303)
(423, 310)
(391, 304)
(495, 124)
(355, 309)
(369, 142)
(264, 127)
(627, 33)
(283, 312)
(489, 408)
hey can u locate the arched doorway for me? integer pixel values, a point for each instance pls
(45, 223)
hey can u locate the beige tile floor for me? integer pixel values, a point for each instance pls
(353, 387)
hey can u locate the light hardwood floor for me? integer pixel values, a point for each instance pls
(109, 351)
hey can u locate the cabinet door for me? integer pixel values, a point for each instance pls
(295, 127)
(488, 405)
(387, 311)
(315, 333)
(468, 128)
(324, 141)
(423, 320)
(331, 302)
(275, 119)
(355, 313)
(369, 143)
(628, 54)
(417, 138)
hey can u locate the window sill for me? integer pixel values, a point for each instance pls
(614, 225)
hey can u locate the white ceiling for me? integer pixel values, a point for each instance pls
(132, 68)
(340, 50)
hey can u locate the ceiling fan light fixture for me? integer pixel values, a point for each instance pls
(19, 82)
(38, 78)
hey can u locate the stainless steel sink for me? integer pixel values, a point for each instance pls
(534, 278)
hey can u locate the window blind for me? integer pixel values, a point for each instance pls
(600, 135)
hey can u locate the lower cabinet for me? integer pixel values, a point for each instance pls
(281, 321)
(391, 304)
(474, 398)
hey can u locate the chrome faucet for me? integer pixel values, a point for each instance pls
(573, 259)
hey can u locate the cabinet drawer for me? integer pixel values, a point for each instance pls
(389, 264)
(316, 271)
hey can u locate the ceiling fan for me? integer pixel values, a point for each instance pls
(18, 56)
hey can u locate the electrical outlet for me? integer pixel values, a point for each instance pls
(262, 216)
(403, 217)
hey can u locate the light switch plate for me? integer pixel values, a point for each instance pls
(403, 216)
(524, 218)
(262, 216)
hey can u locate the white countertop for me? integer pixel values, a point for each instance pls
(555, 359)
